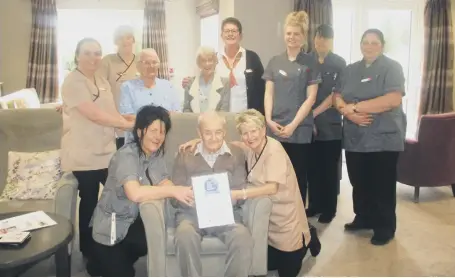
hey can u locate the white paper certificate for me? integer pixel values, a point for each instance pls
(212, 195)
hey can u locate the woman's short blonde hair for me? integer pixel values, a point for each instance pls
(206, 51)
(250, 117)
(299, 19)
(123, 31)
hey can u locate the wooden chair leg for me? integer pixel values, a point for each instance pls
(453, 189)
(417, 194)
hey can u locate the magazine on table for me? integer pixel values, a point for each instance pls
(26, 222)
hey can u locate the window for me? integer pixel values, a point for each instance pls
(210, 32)
(401, 21)
(76, 24)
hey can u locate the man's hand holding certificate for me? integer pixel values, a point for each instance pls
(212, 195)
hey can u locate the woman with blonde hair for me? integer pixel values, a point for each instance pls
(290, 93)
(207, 91)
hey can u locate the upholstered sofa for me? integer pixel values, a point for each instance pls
(159, 222)
(35, 130)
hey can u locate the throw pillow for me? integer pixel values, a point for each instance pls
(32, 176)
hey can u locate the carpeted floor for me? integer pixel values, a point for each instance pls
(424, 243)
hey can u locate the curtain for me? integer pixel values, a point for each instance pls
(319, 12)
(206, 8)
(154, 33)
(42, 62)
(437, 78)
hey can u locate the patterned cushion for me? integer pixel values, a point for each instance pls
(32, 176)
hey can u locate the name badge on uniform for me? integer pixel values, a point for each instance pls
(113, 228)
(366, 80)
(282, 72)
(102, 89)
(248, 70)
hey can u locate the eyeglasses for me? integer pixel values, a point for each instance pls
(150, 64)
(230, 31)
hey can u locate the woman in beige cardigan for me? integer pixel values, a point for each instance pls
(207, 91)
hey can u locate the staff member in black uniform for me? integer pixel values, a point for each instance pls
(325, 151)
(374, 129)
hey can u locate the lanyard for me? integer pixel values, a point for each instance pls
(120, 74)
(257, 158)
(97, 95)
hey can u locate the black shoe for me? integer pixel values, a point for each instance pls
(357, 225)
(381, 238)
(315, 244)
(310, 212)
(326, 218)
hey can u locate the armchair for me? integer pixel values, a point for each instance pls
(159, 223)
(429, 161)
(35, 130)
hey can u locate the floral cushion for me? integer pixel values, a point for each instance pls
(32, 176)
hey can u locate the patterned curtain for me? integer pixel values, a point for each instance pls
(154, 34)
(319, 12)
(206, 8)
(437, 79)
(42, 63)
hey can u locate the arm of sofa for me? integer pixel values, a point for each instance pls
(66, 197)
(152, 214)
(256, 214)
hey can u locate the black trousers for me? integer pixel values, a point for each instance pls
(373, 177)
(299, 155)
(323, 176)
(118, 260)
(119, 142)
(89, 186)
(288, 264)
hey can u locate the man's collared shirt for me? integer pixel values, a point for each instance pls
(210, 158)
(134, 95)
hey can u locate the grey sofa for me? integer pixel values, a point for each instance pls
(35, 130)
(159, 222)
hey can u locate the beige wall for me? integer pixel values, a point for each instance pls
(263, 28)
(15, 27)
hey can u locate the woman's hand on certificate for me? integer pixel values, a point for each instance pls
(183, 194)
(189, 146)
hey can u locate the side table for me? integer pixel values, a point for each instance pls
(43, 243)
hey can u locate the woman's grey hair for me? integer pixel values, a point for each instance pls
(123, 31)
(206, 51)
(250, 117)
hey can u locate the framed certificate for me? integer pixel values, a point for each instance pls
(212, 195)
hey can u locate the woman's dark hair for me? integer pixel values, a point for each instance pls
(234, 21)
(325, 31)
(376, 32)
(144, 118)
(79, 45)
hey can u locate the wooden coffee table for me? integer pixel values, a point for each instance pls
(44, 243)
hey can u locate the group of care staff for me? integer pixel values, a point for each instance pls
(368, 94)
(299, 96)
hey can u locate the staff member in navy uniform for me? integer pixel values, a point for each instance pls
(291, 88)
(374, 127)
(326, 148)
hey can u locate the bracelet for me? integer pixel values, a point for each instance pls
(244, 194)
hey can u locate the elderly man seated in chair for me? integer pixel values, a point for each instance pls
(212, 155)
